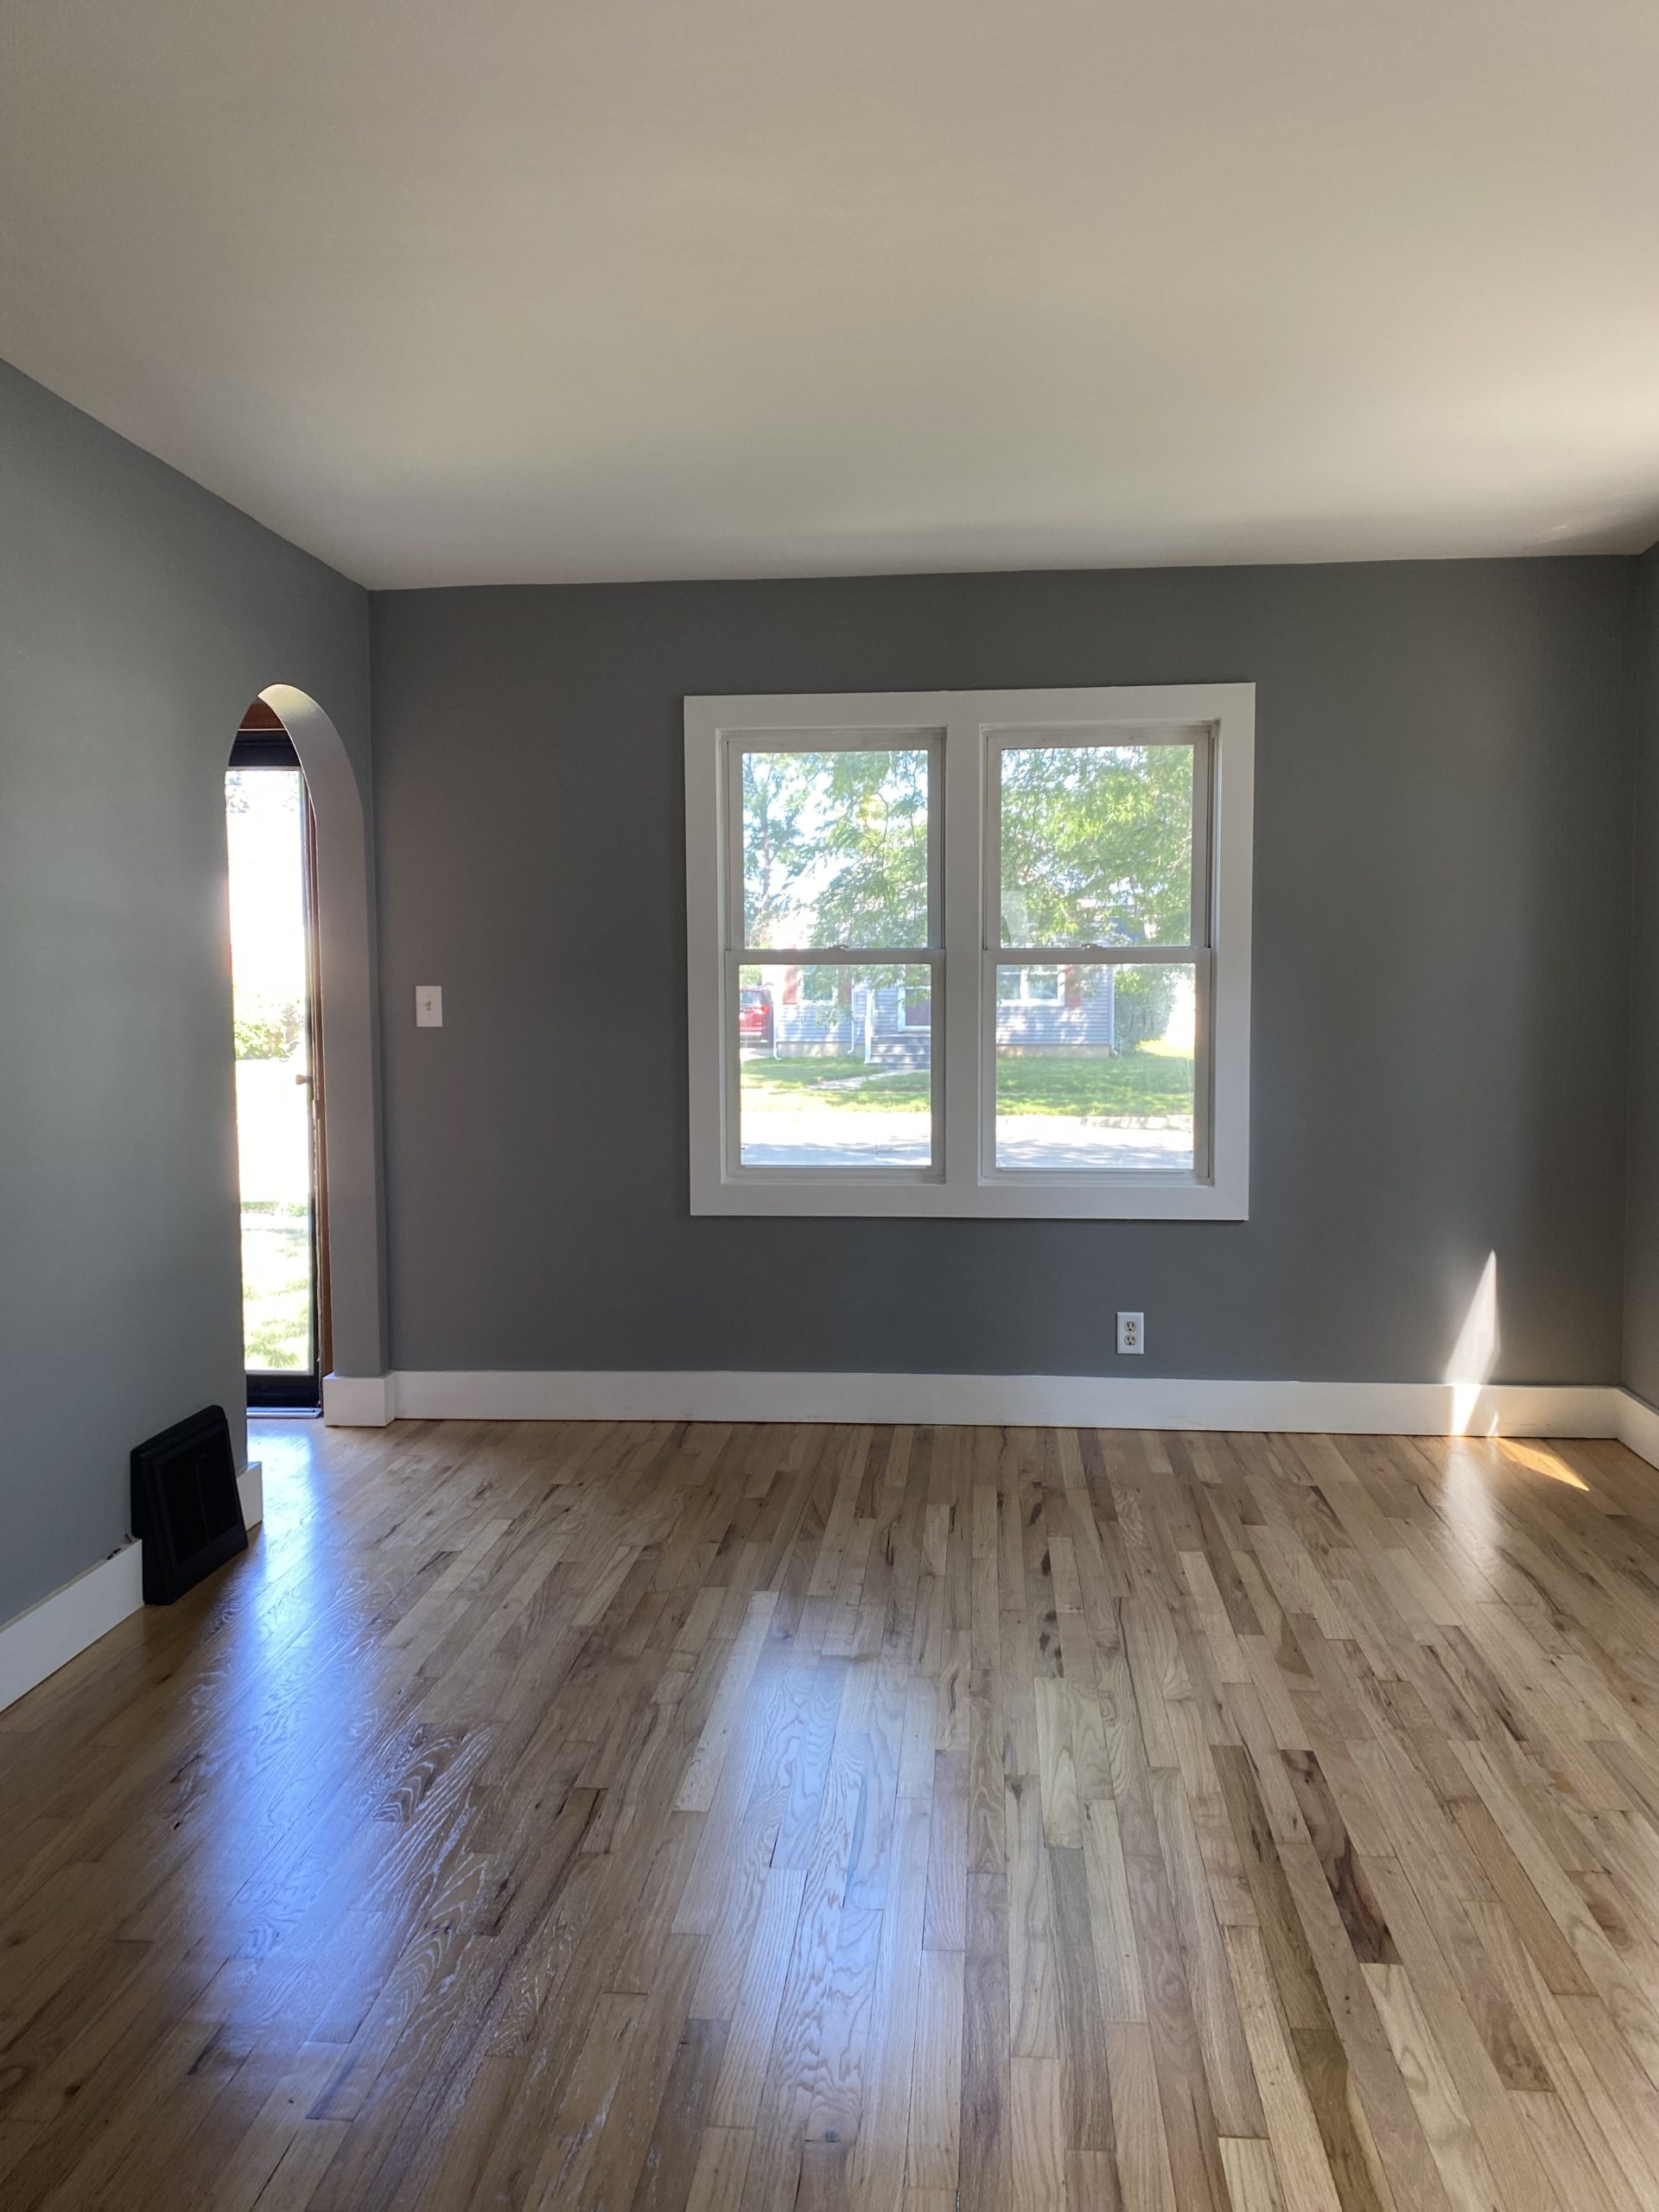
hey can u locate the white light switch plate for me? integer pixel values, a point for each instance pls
(428, 1006)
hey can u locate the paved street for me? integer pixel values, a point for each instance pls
(808, 1135)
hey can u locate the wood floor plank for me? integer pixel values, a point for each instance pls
(754, 2015)
(934, 2138)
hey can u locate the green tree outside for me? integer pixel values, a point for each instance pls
(1096, 849)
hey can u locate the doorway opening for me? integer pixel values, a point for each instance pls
(270, 836)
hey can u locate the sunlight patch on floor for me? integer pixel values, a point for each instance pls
(1542, 1461)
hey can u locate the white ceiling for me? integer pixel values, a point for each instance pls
(491, 290)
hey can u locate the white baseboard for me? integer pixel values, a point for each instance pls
(37, 1642)
(50, 1633)
(1094, 1402)
(1636, 1424)
(359, 1400)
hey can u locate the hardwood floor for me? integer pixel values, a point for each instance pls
(635, 1815)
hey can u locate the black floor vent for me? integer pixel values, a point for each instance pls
(186, 1506)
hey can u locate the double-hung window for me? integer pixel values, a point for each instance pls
(977, 952)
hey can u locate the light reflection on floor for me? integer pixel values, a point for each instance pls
(290, 1700)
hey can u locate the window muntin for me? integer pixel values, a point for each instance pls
(1112, 827)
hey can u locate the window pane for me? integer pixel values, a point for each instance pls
(835, 848)
(836, 1067)
(1097, 844)
(1102, 1082)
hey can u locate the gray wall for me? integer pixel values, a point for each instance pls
(1641, 1228)
(1441, 976)
(138, 615)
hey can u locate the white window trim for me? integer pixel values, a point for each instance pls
(969, 723)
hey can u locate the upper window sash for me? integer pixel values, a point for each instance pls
(1197, 739)
(736, 745)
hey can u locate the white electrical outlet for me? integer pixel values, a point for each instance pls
(428, 1006)
(1131, 1332)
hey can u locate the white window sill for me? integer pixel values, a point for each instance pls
(1032, 1198)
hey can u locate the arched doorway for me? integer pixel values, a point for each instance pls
(327, 1040)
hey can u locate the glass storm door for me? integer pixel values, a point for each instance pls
(268, 827)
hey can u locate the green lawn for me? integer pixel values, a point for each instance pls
(1149, 1082)
(276, 1284)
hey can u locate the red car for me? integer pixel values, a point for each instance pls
(753, 1015)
